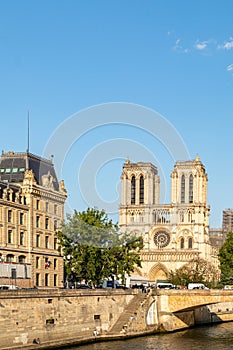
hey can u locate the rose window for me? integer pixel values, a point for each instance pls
(161, 239)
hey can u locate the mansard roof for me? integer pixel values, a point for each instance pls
(13, 166)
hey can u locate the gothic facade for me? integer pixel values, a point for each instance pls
(31, 209)
(175, 233)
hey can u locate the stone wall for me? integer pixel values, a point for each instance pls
(55, 316)
(58, 317)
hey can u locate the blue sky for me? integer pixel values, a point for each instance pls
(59, 58)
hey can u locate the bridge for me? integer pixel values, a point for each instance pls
(176, 309)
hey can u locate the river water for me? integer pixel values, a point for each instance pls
(216, 337)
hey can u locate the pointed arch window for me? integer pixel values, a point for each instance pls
(181, 217)
(133, 189)
(182, 194)
(182, 243)
(141, 196)
(191, 188)
(190, 243)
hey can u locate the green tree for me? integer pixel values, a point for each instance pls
(226, 260)
(197, 270)
(94, 249)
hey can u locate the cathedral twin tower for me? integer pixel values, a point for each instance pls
(173, 234)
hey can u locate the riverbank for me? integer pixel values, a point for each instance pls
(53, 319)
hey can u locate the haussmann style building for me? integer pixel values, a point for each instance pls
(173, 234)
(31, 209)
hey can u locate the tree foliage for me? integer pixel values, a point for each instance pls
(226, 260)
(93, 248)
(197, 270)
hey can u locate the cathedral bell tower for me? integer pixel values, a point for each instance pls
(140, 190)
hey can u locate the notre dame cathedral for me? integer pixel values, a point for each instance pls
(173, 234)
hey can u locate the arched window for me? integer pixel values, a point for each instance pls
(190, 243)
(182, 243)
(132, 217)
(181, 217)
(22, 259)
(182, 194)
(133, 189)
(141, 195)
(10, 258)
(191, 188)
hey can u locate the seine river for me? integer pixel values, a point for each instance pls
(216, 337)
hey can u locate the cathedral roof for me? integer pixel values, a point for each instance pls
(13, 166)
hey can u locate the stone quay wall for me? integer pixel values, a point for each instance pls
(64, 317)
(59, 316)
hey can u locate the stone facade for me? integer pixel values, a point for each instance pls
(175, 233)
(31, 210)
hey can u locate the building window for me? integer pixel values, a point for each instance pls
(182, 243)
(141, 194)
(190, 243)
(37, 221)
(55, 280)
(13, 197)
(55, 243)
(10, 236)
(22, 259)
(37, 241)
(133, 189)
(13, 274)
(37, 204)
(191, 188)
(46, 281)
(55, 209)
(10, 258)
(47, 263)
(37, 262)
(55, 264)
(21, 238)
(46, 207)
(190, 217)
(21, 217)
(9, 216)
(55, 225)
(46, 242)
(181, 217)
(182, 194)
(37, 279)
(46, 223)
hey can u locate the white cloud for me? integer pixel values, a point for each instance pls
(178, 47)
(228, 45)
(230, 68)
(201, 45)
